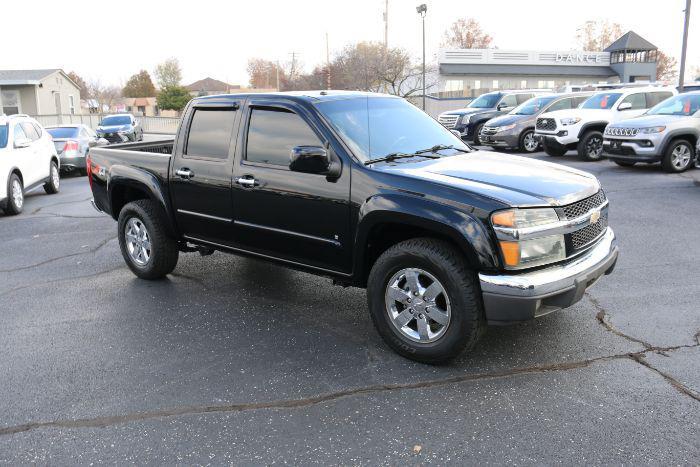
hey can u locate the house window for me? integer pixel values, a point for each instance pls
(9, 102)
(71, 104)
(523, 84)
(495, 84)
(142, 109)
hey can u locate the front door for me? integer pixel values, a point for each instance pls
(200, 178)
(298, 217)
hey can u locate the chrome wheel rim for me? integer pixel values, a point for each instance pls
(55, 180)
(680, 156)
(594, 147)
(138, 242)
(417, 305)
(529, 142)
(17, 194)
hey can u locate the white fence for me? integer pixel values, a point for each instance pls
(434, 106)
(163, 125)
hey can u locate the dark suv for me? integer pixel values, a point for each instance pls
(469, 120)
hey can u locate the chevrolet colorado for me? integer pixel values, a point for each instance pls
(372, 192)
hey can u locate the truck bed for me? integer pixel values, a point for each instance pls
(164, 146)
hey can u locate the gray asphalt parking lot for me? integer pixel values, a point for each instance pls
(232, 360)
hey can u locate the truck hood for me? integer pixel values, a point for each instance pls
(513, 180)
(649, 120)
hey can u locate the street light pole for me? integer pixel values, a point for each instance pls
(422, 10)
(681, 76)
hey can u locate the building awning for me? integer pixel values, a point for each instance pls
(525, 70)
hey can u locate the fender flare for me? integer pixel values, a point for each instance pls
(586, 127)
(679, 133)
(461, 227)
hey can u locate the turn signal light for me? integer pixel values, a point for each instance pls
(511, 253)
(504, 219)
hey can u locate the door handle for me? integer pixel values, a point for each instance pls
(247, 181)
(184, 173)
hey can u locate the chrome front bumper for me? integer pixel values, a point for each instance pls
(520, 297)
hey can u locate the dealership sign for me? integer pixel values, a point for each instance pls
(577, 57)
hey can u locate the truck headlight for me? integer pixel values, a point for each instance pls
(465, 119)
(652, 129)
(570, 121)
(505, 127)
(520, 253)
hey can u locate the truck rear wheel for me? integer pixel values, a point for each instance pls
(424, 302)
(145, 246)
(590, 147)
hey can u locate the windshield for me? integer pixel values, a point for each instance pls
(3, 136)
(116, 120)
(603, 100)
(485, 101)
(683, 105)
(63, 132)
(532, 106)
(377, 126)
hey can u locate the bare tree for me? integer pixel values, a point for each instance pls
(597, 35)
(77, 79)
(168, 73)
(106, 96)
(466, 33)
(263, 74)
(666, 67)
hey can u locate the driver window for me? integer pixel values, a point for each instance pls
(638, 101)
(19, 133)
(508, 101)
(563, 104)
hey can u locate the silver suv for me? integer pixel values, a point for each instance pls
(667, 133)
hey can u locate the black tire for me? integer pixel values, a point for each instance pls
(625, 163)
(553, 151)
(163, 249)
(590, 146)
(53, 185)
(82, 172)
(448, 265)
(13, 208)
(522, 143)
(477, 132)
(670, 164)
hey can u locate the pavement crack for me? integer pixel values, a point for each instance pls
(59, 204)
(602, 317)
(42, 263)
(58, 281)
(680, 387)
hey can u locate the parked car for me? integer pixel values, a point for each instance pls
(369, 190)
(120, 128)
(469, 120)
(667, 133)
(72, 143)
(516, 130)
(582, 128)
(690, 87)
(28, 160)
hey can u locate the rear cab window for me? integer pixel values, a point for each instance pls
(210, 134)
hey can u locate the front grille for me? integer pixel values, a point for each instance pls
(548, 124)
(586, 235)
(489, 131)
(448, 121)
(113, 137)
(612, 131)
(579, 208)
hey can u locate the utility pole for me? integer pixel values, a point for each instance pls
(422, 11)
(386, 24)
(328, 64)
(681, 77)
(277, 69)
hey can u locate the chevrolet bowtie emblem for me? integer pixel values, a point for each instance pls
(544, 121)
(595, 216)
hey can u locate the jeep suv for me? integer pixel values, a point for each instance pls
(582, 128)
(470, 120)
(668, 133)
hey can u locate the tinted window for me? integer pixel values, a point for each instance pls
(532, 106)
(654, 98)
(273, 133)
(579, 100)
(563, 104)
(603, 100)
(116, 120)
(509, 101)
(681, 105)
(637, 100)
(210, 133)
(18, 133)
(63, 132)
(3, 136)
(485, 101)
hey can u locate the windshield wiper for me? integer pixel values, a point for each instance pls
(440, 147)
(399, 155)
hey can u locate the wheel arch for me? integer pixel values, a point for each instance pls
(594, 126)
(678, 135)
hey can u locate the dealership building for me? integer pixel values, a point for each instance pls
(472, 72)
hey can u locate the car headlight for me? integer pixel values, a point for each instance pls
(570, 121)
(506, 127)
(652, 129)
(124, 132)
(465, 118)
(515, 229)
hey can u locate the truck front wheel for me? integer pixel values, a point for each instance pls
(145, 246)
(590, 147)
(424, 302)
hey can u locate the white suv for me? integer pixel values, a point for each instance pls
(582, 128)
(27, 160)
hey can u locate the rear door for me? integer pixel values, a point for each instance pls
(299, 217)
(27, 157)
(200, 172)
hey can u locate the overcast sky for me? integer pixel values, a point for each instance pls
(110, 41)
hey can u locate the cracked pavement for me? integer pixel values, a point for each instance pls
(232, 360)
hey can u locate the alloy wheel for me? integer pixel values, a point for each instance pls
(55, 178)
(138, 242)
(17, 194)
(417, 305)
(680, 157)
(529, 142)
(594, 147)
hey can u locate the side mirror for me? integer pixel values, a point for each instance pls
(309, 159)
(625, 106)
(504, 107)
(23, 143)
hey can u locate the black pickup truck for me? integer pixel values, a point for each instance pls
(372, 192)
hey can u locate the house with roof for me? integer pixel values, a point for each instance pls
(209, 86)
(38, 92)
